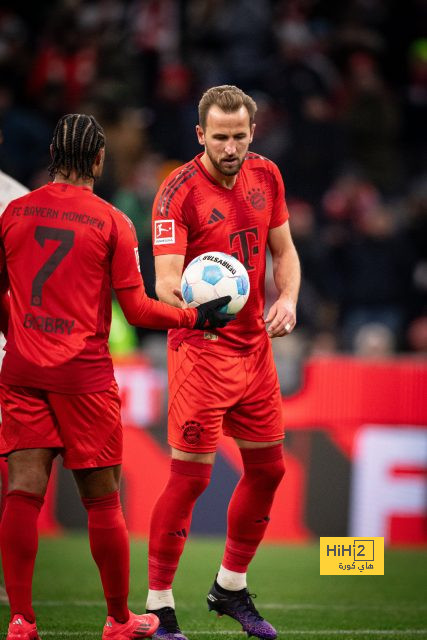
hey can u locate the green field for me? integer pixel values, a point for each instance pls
(291, 593)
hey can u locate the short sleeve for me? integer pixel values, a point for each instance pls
(125, 268)
(169, 231)
(280, 210)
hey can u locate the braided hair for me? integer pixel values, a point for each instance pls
(76, 142)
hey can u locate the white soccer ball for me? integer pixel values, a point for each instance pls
(212, 275)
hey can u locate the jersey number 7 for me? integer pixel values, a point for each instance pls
(66, 239)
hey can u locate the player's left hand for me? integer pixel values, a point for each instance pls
(281, 318)
(211, 316)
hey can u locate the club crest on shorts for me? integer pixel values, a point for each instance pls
(192, 431)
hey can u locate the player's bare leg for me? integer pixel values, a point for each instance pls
(170, 523)
(248, 517)
(109, 543)
(29, 472)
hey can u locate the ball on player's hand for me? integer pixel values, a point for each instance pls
(212, 275)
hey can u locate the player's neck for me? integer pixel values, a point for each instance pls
(225, 181)
(74, 180)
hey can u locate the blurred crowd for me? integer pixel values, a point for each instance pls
(341, 89)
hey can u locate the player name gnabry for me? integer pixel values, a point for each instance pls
(48, 324)
(224, 263)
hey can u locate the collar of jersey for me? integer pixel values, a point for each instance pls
(210, 177)
(69, 184)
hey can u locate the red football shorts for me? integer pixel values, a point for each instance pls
(210, 391)
(85, 428)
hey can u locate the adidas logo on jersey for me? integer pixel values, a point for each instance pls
(216, 216)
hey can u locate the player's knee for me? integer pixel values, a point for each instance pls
(192, 486)
(30, 483)
(96, 483)
(276, 471)
(267, 475)
(30, 474)
(264, 467)
(197, 486)
(191, 478)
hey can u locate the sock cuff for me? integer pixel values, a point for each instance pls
(262, 455)
(190, 468)
(27, 497)
(105, 512)
(108, 501)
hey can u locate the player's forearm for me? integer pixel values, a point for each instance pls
(142, 311)
(287, 273)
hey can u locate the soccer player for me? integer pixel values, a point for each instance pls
(9, 190)
(62, 250)
(225, 199)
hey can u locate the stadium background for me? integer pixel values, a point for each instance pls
(341, 89)
(342, 96)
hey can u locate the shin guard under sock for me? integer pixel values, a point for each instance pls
(109, 543)
(19, 543)
(171, 519)
(250, 504)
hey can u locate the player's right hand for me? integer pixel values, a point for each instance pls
(210, 316)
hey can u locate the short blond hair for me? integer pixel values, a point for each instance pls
(229, 99)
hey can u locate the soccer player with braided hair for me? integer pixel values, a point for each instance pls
(9, 190)
(62, 250)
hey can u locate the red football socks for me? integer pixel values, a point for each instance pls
(19, 543)
(109, 543)
(250, 504)
(171, 519)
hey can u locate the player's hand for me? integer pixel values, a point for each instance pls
(210, 316)
(281, 318)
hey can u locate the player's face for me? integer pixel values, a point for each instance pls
(226, 138)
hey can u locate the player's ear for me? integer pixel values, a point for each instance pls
(51, 151)
(99, 160)
(200, 135)
(252, 132)
(98, 164)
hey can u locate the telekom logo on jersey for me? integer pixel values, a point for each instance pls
(245, 241)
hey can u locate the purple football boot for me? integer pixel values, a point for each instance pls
(239, 605)
(168, 627)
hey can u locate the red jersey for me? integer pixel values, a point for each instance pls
(193, 213)
(65, 248)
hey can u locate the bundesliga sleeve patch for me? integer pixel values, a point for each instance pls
(164, 232)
